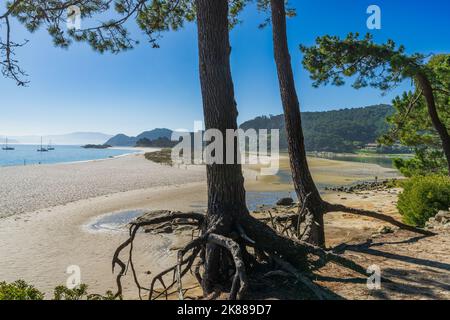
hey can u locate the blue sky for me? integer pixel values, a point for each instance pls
(80, 90)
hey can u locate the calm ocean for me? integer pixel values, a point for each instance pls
(28, 154)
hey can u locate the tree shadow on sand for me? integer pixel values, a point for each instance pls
(431, 280)
(366, 247)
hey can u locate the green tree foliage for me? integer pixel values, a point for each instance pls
(19, 290)
(421, 117)
(426, 161)
(412, 127)
(379, 66)
(343, 130)
(423, 197)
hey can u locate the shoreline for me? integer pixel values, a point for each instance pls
(138, 150)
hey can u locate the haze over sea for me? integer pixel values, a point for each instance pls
(28, 154)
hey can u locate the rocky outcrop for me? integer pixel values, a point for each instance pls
(364, 186)
(440, 221)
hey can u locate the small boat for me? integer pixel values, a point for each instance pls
(49, 147)
(6, 147)
(42, 149)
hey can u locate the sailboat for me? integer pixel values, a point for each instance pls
(6, 147)
(42, 149)
(49, 147)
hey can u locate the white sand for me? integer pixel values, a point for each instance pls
(25, 189)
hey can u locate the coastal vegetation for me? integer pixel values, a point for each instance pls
(21, 290)
(345, 130)
(423, 197)
(163, 156)
(96, 146)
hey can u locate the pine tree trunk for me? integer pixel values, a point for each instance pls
(442, 131)
(226, 193)
(303, 182)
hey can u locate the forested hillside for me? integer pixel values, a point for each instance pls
(342, 130)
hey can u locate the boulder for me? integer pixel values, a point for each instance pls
(442, 217)
(285, 202)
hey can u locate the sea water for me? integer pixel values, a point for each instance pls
(28, 155)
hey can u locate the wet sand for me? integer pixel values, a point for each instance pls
(327, 172)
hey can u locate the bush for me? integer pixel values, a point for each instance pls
(19, 290)
(79, 293)
(423, 197)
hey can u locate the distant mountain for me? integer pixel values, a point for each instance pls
(157, 143)
(342, 130)
(75, 138)
(155, 134)
(122, 140)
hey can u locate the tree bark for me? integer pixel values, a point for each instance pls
(442, 131)
(226, 193)
(304, 185)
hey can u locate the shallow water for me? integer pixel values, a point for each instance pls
(382, 161)
(114, 221)
(28, 154)
(256, 198)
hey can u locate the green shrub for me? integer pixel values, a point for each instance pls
(19, 290)
(79, 293)
(423, 197)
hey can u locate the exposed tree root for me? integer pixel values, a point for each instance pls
(293, 223)
(279, 243)
(239, 284)
(295, 257)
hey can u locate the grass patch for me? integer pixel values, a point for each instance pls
(163, 156)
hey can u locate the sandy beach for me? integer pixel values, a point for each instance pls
(48, 211)
(30, 188)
